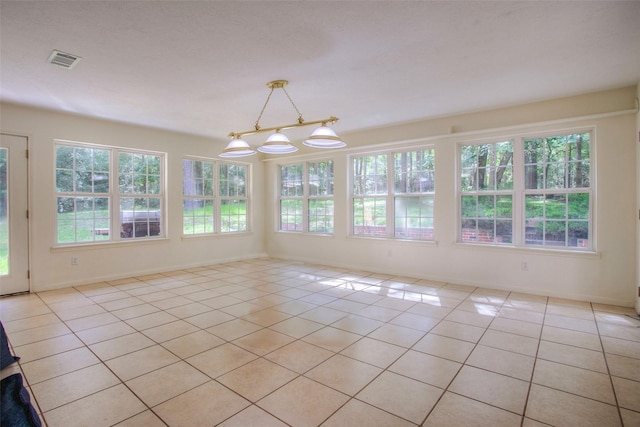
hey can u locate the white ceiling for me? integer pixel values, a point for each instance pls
(201, 66)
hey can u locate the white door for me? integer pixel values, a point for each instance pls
(14, 224)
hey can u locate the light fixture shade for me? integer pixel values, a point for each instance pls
(277, 143)
(324, 137)
(237, 148)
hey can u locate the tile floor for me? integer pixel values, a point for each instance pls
(271, 343)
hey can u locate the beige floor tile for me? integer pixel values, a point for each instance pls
(252, 417)
(30, 323)
(299, 356)
(621, 347)
(171, 302)
(58, 364)
(575, 324)
(477, 307)
(323, 315)
(220, 360)
(295, 307)
(221, 301)
(491, 388)
(122, 345)
(104, 408)
(241, 309)
(430, 310)
(624, 367)
(572, 356)
(134, 311)
(510, 342)
(121, 304)
(151, 320)
(266, 317)
(140, 362)
(502, 362)
(401, 396)
(234, 329)
(165, 383)
(395, 303)
(345, 304)
(110, 296)
(379, 313)
(398, 335)
(523, 315)
(445, 347)
(357, 324)
(357, 413)
(630, 418)
(256, 379)
(628, 393)
(575, 338)
(426, 368)
(296, 327)
(577, 312)
(40, 333)
(188, 310)
(456, 410)
(192, 344)
(415, 321)
(459, 331)
(516, 327)
(374, 352)
(582, 382)
(263, 341)
(143, 419)
(558, 408)
(569, 303)
(332, 339)
(105, 332)
(344, 374)
(170, 331)
(48, 347)
(621, 319)
(208, 404)
(66, 388)
(622, 332)
(291, 403)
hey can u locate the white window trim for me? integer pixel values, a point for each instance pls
(519, 192)
(390, 195)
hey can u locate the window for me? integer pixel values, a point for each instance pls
(487, 193)
(393, 195)
(306, 191)
(557, 190)
(85, 181)
(546, 190)
(199, 202)
(234, 212)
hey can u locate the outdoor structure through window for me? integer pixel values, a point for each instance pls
(106, 193)
(393, 194)
(528, 191)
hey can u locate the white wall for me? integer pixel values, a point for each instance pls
(51, 267)
(638, 200)
(608, 276)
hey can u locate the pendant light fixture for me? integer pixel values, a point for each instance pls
(278, 143)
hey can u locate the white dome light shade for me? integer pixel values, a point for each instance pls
(324, 137)
(237, 148)
(277, 143)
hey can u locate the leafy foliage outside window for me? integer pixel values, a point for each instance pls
(140, 187)
(233, 196)
(198, 197)
(306, 191)
(396, 188)
(557, 190)
(486, 193)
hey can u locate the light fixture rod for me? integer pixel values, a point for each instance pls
(331, 119)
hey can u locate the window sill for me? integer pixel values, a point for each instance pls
(215, 235)
(108, 244)
(532, 250)
(392, 240)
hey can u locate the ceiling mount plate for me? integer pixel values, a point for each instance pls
(277, 84)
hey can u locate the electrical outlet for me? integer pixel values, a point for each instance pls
(74, 260)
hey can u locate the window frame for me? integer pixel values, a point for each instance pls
(389, 197)
(520, 193)
(306, 198)
(114, 195)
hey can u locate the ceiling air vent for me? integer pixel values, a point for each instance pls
(62, 59)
